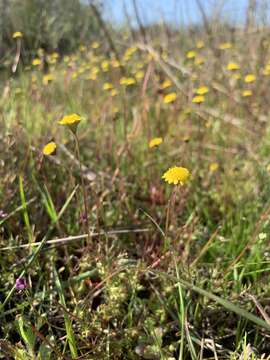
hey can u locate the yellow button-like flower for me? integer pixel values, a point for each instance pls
(250, 78)
(95, 45)
(213, 167)
(200, 44)
(225, 46)
(107, 86)
(202, 90)
(114, 92)
(127, 81)
(199, 61)
(166, 83)
(105, 65)
(36, 62)
(17, 35)
(191, 54)
(130, 81)
(232, 66)
(50, 148)
(198, 99)
(71, 121)
(115, 63)
(155, 142)
(139, 75)
(176, 175)
(47, 78)
(169, 98)
(246, 93)
(236, 76)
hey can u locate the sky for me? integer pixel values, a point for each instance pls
(173, 11)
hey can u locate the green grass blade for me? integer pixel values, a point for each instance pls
(68, 324)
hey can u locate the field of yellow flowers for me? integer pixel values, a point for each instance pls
(135, 201)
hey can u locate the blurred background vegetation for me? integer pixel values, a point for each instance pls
(51, 25)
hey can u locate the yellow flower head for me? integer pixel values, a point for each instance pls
(200, 44)
(82, 48)
(225, 46)
(199, 61)
(169, 98)
(232, 66)
(105, 65)
(191, 54)
(198, 99)
(36, 62)
(176, 175)
(250, 78)
(166, 83)
(95, 45)
(71, 121)
(115, 63)
(47, 78)
(202, 90)
(17, 35)
(107, 86)
(236, 76)
(49, 149)
(246, 93)
(127, 81)
(139, 75)
(266, 70)
(155, 142)
(114, 92)
(213, 167)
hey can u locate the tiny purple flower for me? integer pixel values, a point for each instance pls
(20, 284)
(2, 214)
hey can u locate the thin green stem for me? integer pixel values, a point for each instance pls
(86, 212)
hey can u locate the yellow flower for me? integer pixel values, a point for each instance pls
(166, 83)
(50, 148)
(213, 167)
(200, 44)
(176, 175)
(82, 48)
(266, 71)
(199, 61)
(17, 35)
(250, 78)
(236, 76)
(232, 66)
(107, 86)
(139, 75)
(114, 92)
(95, 45)
(155, 142)
(105, 65)
(246, 93)
(127, 81)
(130, 81)
(169, 98)
(202, 90)
(47, 78)
(71, 121)
(115, 63)
(36, 62)
(198, 99)
(225, 46)
(191, 54)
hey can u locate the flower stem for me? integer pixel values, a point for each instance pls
(86, 212)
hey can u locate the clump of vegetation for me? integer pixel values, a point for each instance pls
(134, 216)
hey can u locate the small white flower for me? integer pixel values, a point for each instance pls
(262, 236)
